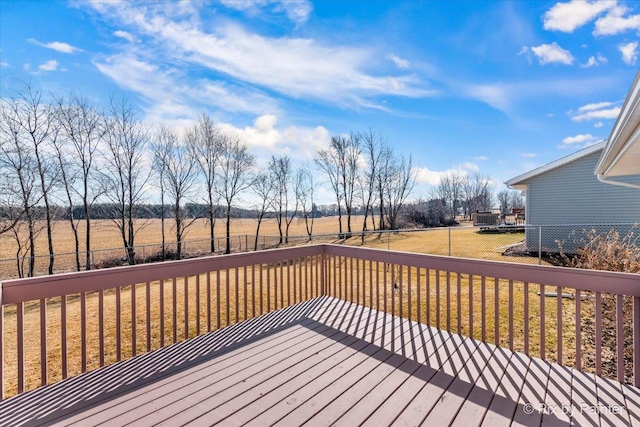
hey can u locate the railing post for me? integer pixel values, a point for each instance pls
(323, 272)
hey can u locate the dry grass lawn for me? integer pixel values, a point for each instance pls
(448, 309)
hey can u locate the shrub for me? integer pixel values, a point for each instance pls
(608, 251)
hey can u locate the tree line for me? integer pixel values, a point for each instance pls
(63, 157)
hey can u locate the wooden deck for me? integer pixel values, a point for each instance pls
(327, 361)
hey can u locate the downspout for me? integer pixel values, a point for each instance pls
(604, 180)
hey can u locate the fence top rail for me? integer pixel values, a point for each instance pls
(586, 280)
(29, 289)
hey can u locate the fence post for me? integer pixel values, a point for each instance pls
(539, 245)
(449, 241)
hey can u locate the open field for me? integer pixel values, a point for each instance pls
(106, 247)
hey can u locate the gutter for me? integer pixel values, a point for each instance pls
(602, 179)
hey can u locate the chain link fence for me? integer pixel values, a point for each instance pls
(525, 244)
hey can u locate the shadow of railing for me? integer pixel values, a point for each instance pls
(74, 394)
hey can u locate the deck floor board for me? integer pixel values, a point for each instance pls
(328, 362)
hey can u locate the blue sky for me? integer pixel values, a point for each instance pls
(494, 87)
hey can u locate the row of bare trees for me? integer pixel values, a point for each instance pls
(61, 153)
(363, 170)
(463, 194)
(61, 156)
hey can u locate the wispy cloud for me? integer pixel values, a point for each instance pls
(296, 10)
(528, 155)
(595, 111)
(57, 46)
(581, 140)
(400, 62)
(552, 53)
(170, 97)
(295, 67)
(629, 52)
(124, 35)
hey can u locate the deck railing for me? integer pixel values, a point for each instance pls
(58, 326)
(53, 327)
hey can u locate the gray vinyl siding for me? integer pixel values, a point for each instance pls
(571, 194)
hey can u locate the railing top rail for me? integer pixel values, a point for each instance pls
(34, 288)
(587, 280)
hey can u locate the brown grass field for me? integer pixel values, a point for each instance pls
(465, 242)
(106, 244)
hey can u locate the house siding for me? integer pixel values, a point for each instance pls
(572, 194)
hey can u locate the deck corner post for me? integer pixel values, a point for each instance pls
(323, 275)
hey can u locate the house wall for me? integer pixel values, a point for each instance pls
(572, 194)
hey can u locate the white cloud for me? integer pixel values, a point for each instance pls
(295, 67)
(528, 155)
(615, 22)
(51, 65)
(481, 158)
(400, 62)
(594, 61)
(57, 46)
(296, 10)
(593, 106)
(26, 66)
(4, 64)
(581, 140)
(169, 95)
(610, 113)
(629, 52)
(494, 95)
(551, 53)
(566, 17)
(301, 143)
(425, 175)
(124, 35)
(598, 125)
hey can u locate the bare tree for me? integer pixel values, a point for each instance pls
(19, 169)
(280, 175)
(477, 194)
(400, 184)
(263, 188)
(37, 120)
(205, 141)
(503, 201)
(180, 173)
(373, 147)
(126, 174)
(305, 195)
(68, 178)
(450, 189)
(81, 126)
(160, 147)
(348, 150)
(340, 164)
(235, 176)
